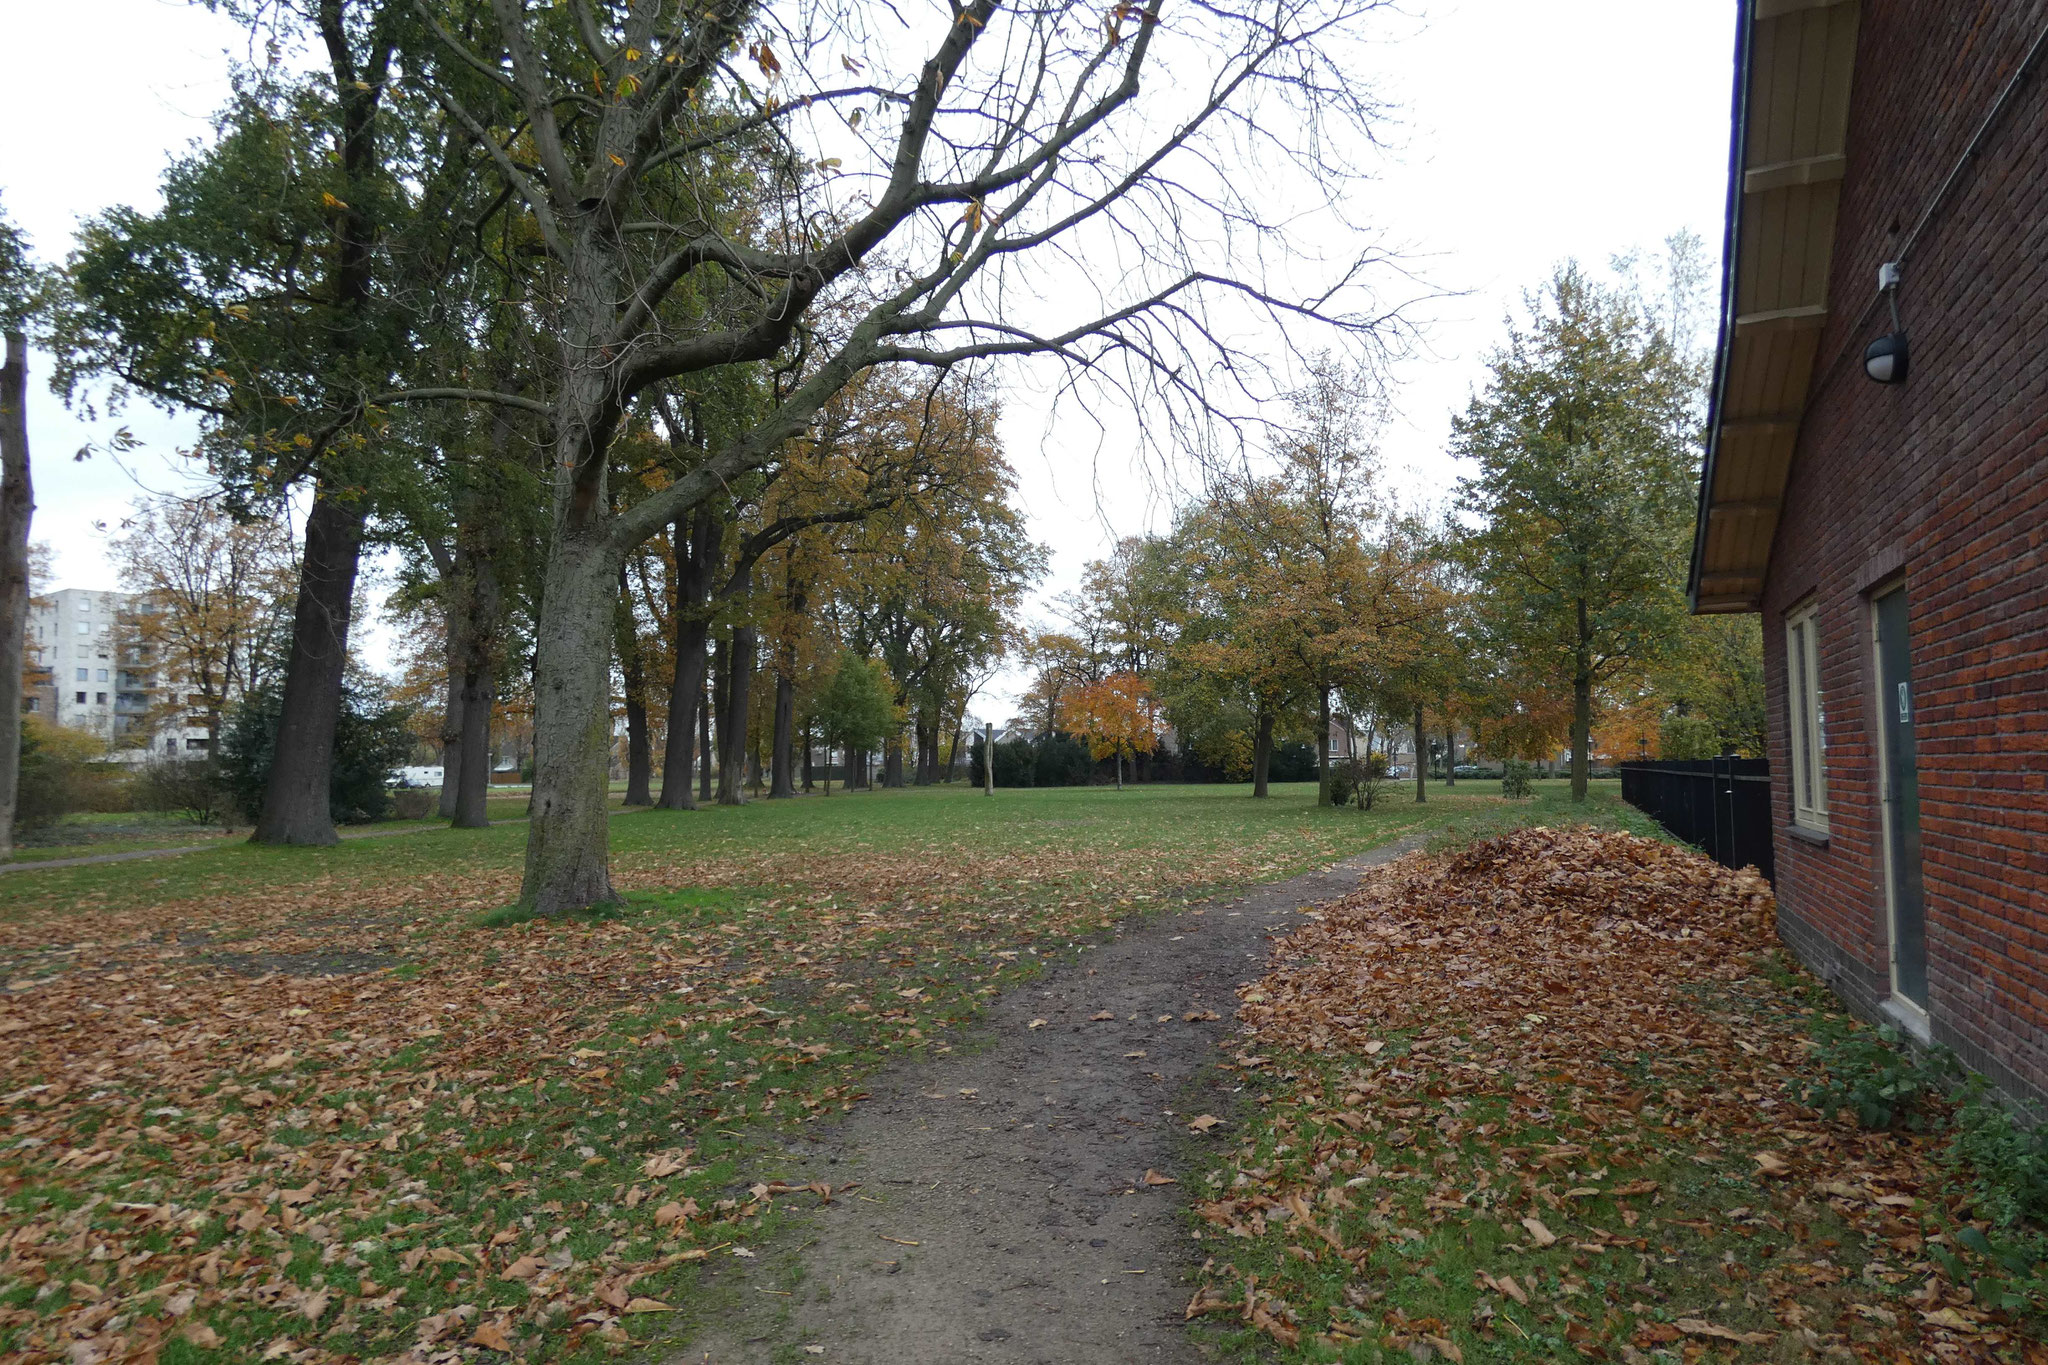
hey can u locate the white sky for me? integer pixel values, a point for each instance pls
(1528, 133)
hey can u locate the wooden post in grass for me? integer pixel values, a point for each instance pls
(988, 758)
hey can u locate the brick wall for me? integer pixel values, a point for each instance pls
(1941, 481)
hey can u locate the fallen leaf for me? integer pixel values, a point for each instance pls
(1202, 1123)
(646, 1306)
(1538, 1233)
(1153, 1177)
(491, 1336)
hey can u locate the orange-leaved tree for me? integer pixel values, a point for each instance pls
(1118, 716)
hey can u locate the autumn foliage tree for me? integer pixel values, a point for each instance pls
(1585, 441)
(1117, 716)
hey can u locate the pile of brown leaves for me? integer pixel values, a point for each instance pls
(1540, 1093)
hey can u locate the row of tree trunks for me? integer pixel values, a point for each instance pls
(639, 750)
(732, 716)
(695, 553)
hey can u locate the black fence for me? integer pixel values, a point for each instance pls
(1720, 805)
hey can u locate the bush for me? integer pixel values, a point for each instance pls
(414, 803)
(1359, 780)
(369, 741)
(1688, 736)
(64, 771)
(1515, 777)
(1885, 1085)
(1291, 761)
(191, 789)
(2003, 1157)
(1059, 760)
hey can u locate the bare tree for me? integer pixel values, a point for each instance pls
(216, 593)
(1011, 195)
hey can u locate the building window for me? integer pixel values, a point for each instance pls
(81, 698)
(1809, 720)
(81, 674)
(99, 698)
(34, 704)
(85, 627)
(195, 744)
(102, 677)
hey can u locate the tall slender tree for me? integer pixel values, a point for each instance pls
(17, 511)
(1586, 440)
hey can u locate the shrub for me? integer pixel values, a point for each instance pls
(2004, 1159)
(64, 771)
(370, 740)
(414, 803)
(191, 789)
(1514, 779)
(1884, 1085)
(1291, 761)
(1688, 736)
(1359, 780)
(1059, 760)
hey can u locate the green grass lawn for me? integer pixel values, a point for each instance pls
(327, 1097)
(1262, 839)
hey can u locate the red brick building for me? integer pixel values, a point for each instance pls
(1894, 535)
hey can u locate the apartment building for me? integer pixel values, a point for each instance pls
(85, 676)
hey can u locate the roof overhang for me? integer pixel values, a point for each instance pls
(1794, 60)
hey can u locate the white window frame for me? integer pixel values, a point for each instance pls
(1806, 707)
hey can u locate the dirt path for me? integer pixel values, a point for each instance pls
(1003, 1214)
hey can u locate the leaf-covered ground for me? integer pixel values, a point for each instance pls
(1537, 1098)
(310, 1105)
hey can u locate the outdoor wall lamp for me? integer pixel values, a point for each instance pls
(1885, 358)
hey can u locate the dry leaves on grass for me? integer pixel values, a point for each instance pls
(1548, 1067)
(337, 1107)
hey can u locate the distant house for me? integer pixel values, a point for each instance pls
(1876, 486)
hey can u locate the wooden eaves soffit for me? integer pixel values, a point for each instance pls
(1793, 64)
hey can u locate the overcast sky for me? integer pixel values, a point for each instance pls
(1527, 133)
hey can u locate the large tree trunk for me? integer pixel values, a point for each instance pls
(296, 804)
(1262, 754)
(452, 730)
(1582, 707)
(692, 637)
(1451, 754)
(810, 749)
(732, 721)
(1582, 730)
(639, 747)
(17, 510)
(479, 668)
(1323, 745)
(473, 792)
(892, 760)
(953, 751)
(783, 782)
(1421, 758)
(566, 863)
